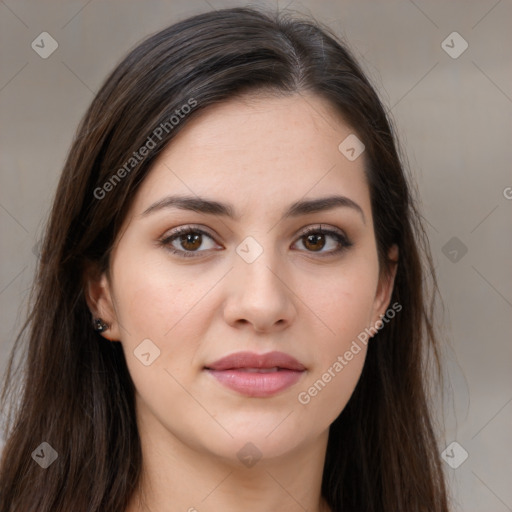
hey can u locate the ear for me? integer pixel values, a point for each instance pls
(385, 286)
(98, 295)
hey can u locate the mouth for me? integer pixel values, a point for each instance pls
(257, 375)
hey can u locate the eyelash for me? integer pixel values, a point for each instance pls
(340, 238)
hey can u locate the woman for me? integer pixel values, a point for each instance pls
(229, 311)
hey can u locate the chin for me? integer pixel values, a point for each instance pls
(256, 436)
(250, 448)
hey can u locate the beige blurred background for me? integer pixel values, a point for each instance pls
(454, 119)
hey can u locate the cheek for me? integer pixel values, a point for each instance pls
(172, 307)
(345, 306)
(152, 299)
(156, 304)
(344, 303)
(326, 393)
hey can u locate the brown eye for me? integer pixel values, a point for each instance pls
(314, 242)
(325, 242)
(189, 241)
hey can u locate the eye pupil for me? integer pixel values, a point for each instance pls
(317, 240)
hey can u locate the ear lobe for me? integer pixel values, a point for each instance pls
(386, 284)
(98, 295)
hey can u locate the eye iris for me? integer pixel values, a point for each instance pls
(194, 240)
(317, 240)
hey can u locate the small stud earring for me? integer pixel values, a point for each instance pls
(100, 325)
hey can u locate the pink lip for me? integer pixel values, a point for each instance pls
(245, 373)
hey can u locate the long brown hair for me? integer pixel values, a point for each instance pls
(76, 392)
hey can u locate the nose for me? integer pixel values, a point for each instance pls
(260, 295)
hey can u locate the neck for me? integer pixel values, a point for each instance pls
(177, 477)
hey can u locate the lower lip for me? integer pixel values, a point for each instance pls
(257, 384)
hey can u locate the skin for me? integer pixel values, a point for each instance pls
(260, 154)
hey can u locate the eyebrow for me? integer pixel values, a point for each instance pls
(211, 207)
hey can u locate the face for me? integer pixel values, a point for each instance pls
(254, 262)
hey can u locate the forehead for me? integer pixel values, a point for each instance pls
(257, 151)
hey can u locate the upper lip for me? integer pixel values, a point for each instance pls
(253, 360)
